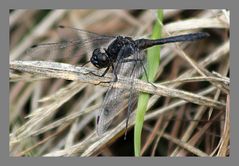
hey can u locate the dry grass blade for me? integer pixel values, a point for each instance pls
(196, 23)
(182, 144)
(38, 32)
(70, 72)
(43, 113)
(223, 149)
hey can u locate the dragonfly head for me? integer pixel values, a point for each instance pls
(100, 58)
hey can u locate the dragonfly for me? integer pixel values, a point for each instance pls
(123, 55)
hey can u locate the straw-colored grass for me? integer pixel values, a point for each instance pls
(53, 105)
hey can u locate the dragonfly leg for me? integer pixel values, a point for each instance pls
(102, 75)
(106, 70)
(145, 72)
(118, 61)
(146, 75)
(85, 63)
(115, 74)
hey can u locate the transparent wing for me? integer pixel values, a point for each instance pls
(84, 42)
(111, 105)
(115, 98)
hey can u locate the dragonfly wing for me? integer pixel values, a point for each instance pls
(84, 42)
(115, 97)
(111, 106)
(137, 70)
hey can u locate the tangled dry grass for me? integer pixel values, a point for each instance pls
(188, 113)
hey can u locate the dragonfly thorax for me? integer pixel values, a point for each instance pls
(121, 46)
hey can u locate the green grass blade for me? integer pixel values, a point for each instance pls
(153, 60)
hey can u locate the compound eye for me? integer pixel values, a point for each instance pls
(103, 57)
(96, 51)
(99, 58)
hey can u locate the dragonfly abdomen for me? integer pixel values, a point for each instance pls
(147, 43)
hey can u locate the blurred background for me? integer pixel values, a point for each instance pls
(63, 122)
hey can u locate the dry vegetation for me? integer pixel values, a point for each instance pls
(188, 113)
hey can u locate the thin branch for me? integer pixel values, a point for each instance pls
(70, 72)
